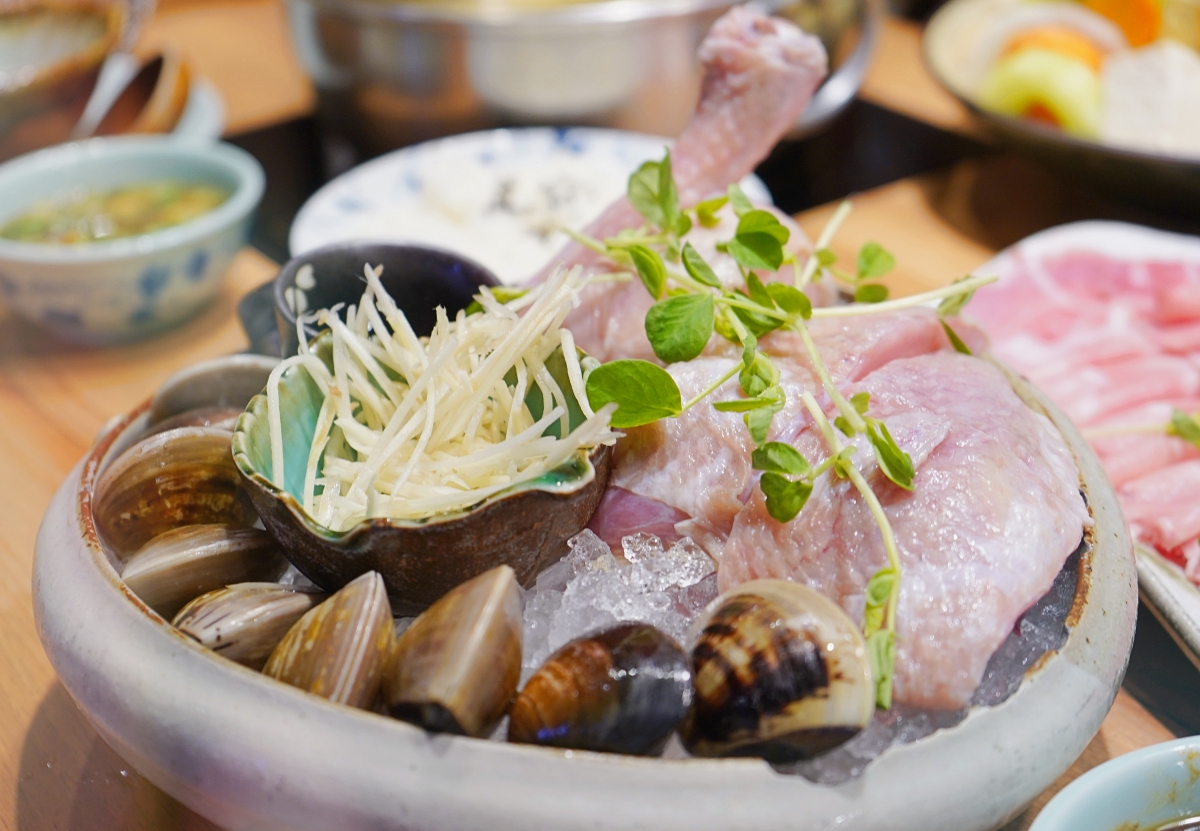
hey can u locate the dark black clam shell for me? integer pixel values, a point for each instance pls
(621, 690)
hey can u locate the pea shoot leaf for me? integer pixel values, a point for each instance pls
(650, 268)
(874, 261)
(785, 497)
(758, 243)
(706, 211)
(879, 587)
(758, 422)
(644, 392)
(668, 196)
(737, 197)
(697, 268)
(778, 457)
(825, 257)
(955, 340)
(842, 463)
(679, 327)
(1184, 426)
(759, 376)
(894, 462)
(743, 405)
(881, 652)
(790, 299)
(950, 306)
(503, 294)
(870, 293)
(860, 401)
(758, 292)
(643, 192)
(755, 323)
(726, 330)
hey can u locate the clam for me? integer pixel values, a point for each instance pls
(184, 563)
(338, 649)
(780, 672)
(622, 690)
(222, 384)
(456, 668)
(218, 418)
(245, 621)
(181, 477)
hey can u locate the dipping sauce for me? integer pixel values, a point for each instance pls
(94, 216)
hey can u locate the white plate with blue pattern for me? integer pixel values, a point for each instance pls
(498, 197)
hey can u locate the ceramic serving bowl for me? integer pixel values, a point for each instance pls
(1138, 791)
(250, 753)
(953, 36)
(50, 57)
(131, 287)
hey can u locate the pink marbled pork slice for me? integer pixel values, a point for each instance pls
(994, 513)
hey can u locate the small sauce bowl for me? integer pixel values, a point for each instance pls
(131, 287)
(525, 527)
(1139, 791)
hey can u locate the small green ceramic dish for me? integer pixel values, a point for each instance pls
(525, 527)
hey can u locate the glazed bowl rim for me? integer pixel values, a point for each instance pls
(1032, 130)
(243, 167)
(286, 277)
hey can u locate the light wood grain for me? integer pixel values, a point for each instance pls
(243, 47)
(899, 80)
(55, 772)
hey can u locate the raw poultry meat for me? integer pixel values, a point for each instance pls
(1115, 342)
(994, 514)
(759, 74)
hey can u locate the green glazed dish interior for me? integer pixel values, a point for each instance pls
(300, 402)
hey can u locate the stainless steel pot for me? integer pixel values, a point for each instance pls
(392, 73)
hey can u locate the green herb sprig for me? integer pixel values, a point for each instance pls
(692, 304)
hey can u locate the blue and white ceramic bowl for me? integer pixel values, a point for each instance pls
(1139, 791)
(497, 197)
(135, 286)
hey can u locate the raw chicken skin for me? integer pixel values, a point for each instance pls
(759, 74)
(699, 463)
(994, 512)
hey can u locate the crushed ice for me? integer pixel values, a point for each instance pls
(591, 589)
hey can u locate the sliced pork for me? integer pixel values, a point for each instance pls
(1115, 342)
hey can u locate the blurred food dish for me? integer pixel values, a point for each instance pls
(50, 56)
(390, 74)
(498, 197)
(116, 289)
(1105, 88)
(160, 95)
(1152, 789)
(1105, 318)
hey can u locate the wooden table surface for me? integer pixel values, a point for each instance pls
(55, 772)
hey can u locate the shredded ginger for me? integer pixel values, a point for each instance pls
(415, 427)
